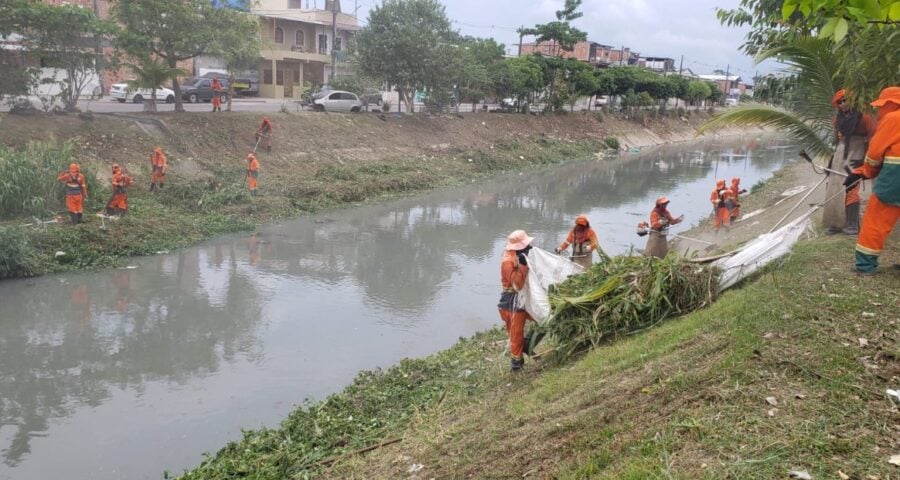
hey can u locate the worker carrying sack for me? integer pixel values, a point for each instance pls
(544, 269)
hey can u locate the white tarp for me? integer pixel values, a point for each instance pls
(760, 252)
(544, 269)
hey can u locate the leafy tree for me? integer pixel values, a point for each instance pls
(697, 91)
(407, 43)
(519, 78)
(837, 18)
(239, 43)
(177, 30)
(64, 36)
(477, 61)
(560, 33)
(150, 72)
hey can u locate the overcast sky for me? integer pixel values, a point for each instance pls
(663, 28)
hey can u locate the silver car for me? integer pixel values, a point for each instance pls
(337, 101)
(122, 93)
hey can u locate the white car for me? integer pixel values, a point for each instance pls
(337, 101)
(122, 93)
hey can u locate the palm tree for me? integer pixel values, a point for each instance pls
(807, 118)
(151, 73)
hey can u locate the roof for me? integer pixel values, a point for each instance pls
(299, 17)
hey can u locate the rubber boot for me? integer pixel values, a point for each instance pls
(516, 364)
(532, 339)
(73, 217)
(79, 217)
(852, 225)
(110, 211)
(161, 185)
(268, 149)
(152, 186)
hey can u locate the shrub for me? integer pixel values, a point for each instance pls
(228, 195)
(28, 184)
(18, 257)
(611, 142)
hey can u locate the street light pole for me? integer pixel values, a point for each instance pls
(334, 13)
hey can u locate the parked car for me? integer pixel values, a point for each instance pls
(197, 89)
(601, 101)
(373, 97)
(337, 101)
(731, 102)
(122, 93)
(245, 84)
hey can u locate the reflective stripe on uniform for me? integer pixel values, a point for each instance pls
(867, 251)
(891, 160)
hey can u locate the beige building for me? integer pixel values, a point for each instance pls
(297, 44)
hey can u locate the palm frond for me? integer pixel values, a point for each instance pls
(815, 66)
(808, 133)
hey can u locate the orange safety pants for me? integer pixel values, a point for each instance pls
(216, 100)
(119, 200)
(158, 176)
(75, 203)
(852, 196)
(877, 224)
(515, 327)
(722, 217)
(251, 181)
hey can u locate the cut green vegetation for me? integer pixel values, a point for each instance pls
(787, 373)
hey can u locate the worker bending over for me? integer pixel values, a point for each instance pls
(265, 131)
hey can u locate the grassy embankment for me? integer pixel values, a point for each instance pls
(319, 162)
(787, 372)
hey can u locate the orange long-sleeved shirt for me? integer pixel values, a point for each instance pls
(715, 197)
(656, 216)
(512, 273)
(883, 159)
(866, 126)
(75, 184)
(590, 236)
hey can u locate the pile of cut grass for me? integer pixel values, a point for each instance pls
(624, 295)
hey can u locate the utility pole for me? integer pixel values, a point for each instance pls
(680, 65)
(334, 12)
(520, 39)
(727, 71)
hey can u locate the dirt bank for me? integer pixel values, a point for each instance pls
(318, 161)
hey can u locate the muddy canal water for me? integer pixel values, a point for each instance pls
(124, 373)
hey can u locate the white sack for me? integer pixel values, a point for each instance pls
(544, 269)
(760, 252)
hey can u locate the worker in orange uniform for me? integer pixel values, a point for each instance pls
(660, 221)
(736, 192)
(852, 131)
(265, 131)
(722, 200)
(584, 241)
(159, 168)
(217, 94)
(118, 203)
(513, 272)
(252, 172)
(76, 192)
(882, 161)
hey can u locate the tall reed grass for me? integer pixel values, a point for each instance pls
(28, 185)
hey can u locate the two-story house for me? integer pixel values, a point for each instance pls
(298, 44)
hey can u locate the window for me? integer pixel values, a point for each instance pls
(279, 77)
(267, 77)
(335, 96)
(299, 38)
(348, 96)
(279, 35)
(338, 43)
(323, 44)
(203, 84)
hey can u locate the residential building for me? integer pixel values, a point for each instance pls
(623, 56)
(657, 64)
(732, 85)
(590, 52)
(297, 44)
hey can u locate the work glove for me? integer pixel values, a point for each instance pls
(557, 250)
(852, 179)
(523, 259)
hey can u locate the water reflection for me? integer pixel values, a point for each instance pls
(188, 348)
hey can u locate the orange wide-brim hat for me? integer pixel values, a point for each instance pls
(518, 240)
(582, 220)
(838, 96)
(888, 95)
(662, 201)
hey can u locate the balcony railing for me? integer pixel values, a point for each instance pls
(297, 48)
